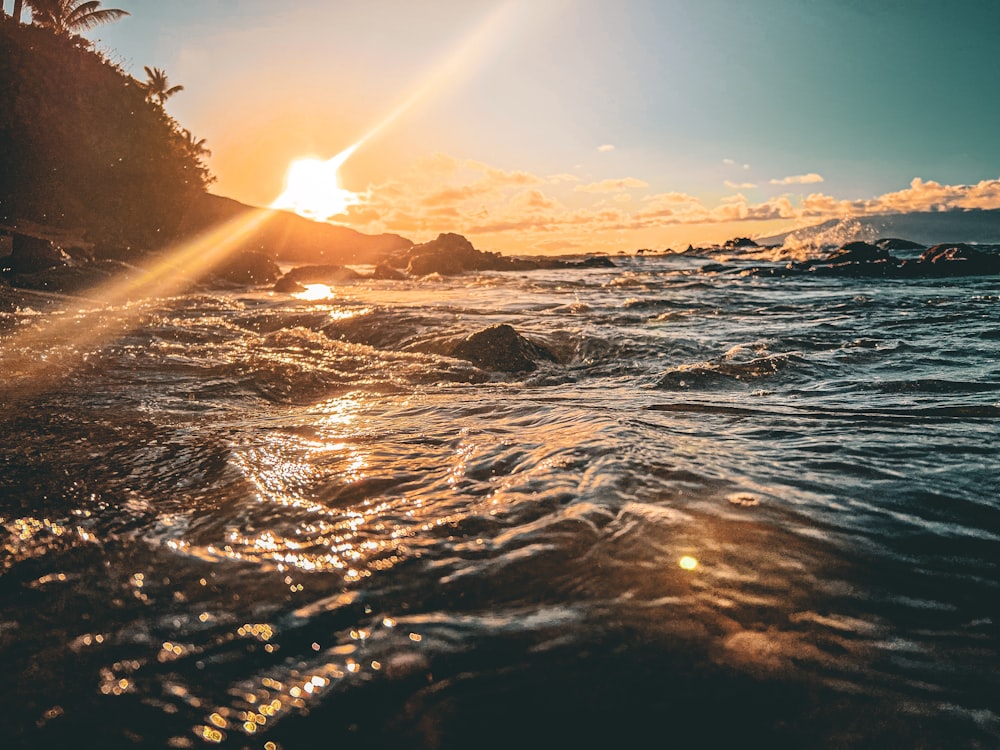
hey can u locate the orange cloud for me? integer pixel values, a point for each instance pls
(517, 211)
(612, 186)
(799, 179)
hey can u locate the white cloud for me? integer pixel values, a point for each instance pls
(739, 185)
(605, 148)
(798, 179)
(729, 162)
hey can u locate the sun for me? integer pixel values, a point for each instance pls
(313, 189)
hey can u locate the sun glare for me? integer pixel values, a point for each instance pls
(313, 189)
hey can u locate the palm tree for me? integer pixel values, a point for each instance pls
(158, 88)
(70, 16)
(196, 146)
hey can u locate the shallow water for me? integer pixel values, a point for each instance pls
(737, 510)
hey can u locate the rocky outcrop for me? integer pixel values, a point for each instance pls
(859, 252)
(327, 274)
(959, 259)
(385, 272)
(503, 349)
(30, 254)
(895, 243)
(77, 279)
(452, 254)
(738, 243)
(860, 259)
(448, 255)
(248, 268)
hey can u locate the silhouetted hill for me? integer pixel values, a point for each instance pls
(926, 227)
(289, 237)
(82, 148)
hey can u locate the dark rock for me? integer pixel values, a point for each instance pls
(286, 285)
(74, 279)
(448, 255)
(860, 252)
(31, 254)
(327, 274)
(596, 261)
(894, 243)
(956, 259)
(715, 268)
(247, 267)
(501, 348)
(385, 272)
(739, 242)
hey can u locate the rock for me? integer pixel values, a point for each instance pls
(247, 267)
(956, 259)
(501, 348)
(286, 285)
(78, 279)
(739, 242)
(894, 243)
(30, 254)
(326, 274)
(860, 252)
(385, 272)
(596, 261)
(448, 255)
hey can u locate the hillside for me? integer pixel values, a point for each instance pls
(289, 237)
(82, 148)
(84, 152)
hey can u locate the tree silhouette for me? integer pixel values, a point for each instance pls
(71, 16)
(196, 146)
(157, 86)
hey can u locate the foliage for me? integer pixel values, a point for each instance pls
(157, 86)
(70, 16)
(81, 146)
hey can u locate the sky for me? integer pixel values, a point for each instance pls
(587, 125)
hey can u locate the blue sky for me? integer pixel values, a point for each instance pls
(724, 116)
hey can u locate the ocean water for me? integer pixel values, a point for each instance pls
(737, 510)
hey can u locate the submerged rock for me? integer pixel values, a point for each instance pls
(501, 348)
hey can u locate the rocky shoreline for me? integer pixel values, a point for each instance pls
(51, 261)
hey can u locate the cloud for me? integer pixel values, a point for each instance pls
(729, 162)
(798, 179)
(612, 186)
(516, 211)
(605, 148)
(555, 179)
(739, 185)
